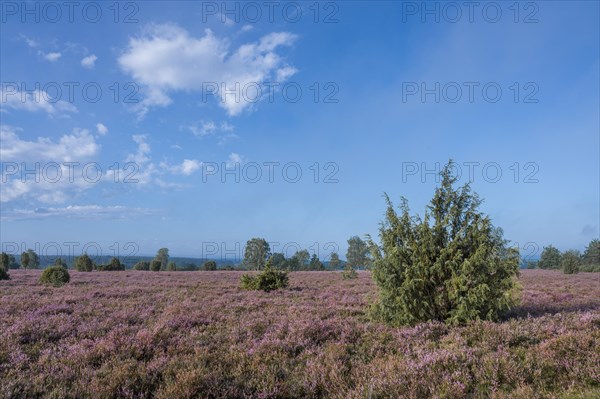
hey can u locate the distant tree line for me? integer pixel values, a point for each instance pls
(570, 261)
(257, 253)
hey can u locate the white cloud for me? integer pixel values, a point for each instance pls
(52, 57)
(78, 146)
(30, 42)
(149, 173)
(285, 73)
(79, 212)
(101, 129)
(202, 128)
(226, 127)
(143, 149)
(89, 61)
(37, 155)
(167, 59)
(62, 167)
(34, 101)
(227, 21)
(234, 160)
(223, 130)
(187, 167)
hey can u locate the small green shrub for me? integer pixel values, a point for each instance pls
(267, 280)
(84, 263)
(155, 265)
(349, 273)
(142, 265)
(115, 265)
(570, 262)
(4, 274)
(209, 265)
(55, 276)
(589, 268)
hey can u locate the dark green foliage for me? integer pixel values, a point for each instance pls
(115, 265)
(589, 268)
(12, 262)
(300, 260)
(60, 262)
(209, 265)
(315, 264)
(256, 253)
(30, 260)
(591, 255)
(349, 272)
(84, 263)
(570, 262)
(172, 267)
(334, 261)
(163, 257)
(267, 280)
(25, 260)
(451, 266)
(531, 264)
(155, 265)
(55, 276)
(4, 266)
(142, 265)
(358, 253)
(4, 261)
(188, 267)
(279, 261)
(550, 258)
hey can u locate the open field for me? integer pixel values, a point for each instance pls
(196, 334)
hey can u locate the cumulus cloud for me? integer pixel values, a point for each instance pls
(166, 58)
(101, 129)
(34, 101)
(148, 172)
(55, 171)
(187, 167)
(89, 61)
(52, 57)
(53, 179)
(80, 145)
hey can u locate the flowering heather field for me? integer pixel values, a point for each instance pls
(196, 334)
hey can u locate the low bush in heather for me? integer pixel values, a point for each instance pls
(115, 265)
(4, 274)
(589, 268)
(209, 265)
(570, 262)
(142, 265)
(84, 263)
(349, 273)
(56, 276)
(267, 280)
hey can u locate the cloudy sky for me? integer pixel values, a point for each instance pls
(199, 125)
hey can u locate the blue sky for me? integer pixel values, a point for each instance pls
(379, 105)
